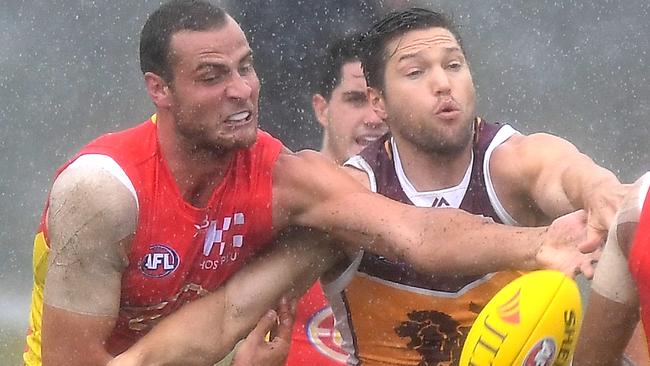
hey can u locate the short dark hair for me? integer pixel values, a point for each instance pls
(339, 52)
(170, 18)
(394, 24)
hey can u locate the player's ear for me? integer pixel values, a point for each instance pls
(377, 101)
(320, 105)
(158, 90)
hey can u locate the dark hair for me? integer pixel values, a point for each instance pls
(340, 52)
(170, 18)
(394, 24)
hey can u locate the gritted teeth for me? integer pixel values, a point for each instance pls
(367, 139)
(239, 116)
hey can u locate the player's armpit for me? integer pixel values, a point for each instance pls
(204, 331)
(90, 220)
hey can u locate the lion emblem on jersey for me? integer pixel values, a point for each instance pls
(436, 336)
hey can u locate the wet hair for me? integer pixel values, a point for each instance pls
(339, 53)
(172, 17)
(396, 23)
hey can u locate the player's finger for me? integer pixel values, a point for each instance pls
(287, 316)
(594, 241)
(264, 325)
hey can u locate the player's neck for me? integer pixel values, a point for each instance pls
(429, 171)
(196, 172)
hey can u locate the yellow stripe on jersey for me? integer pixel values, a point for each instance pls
(32, 355)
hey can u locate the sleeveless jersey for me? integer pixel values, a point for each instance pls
(314, 340)
(639, 261)
(179, 252)
(388, 313)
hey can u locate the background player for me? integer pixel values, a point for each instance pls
(349, 124)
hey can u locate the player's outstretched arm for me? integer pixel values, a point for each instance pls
(613, 309)
(316, 193)
(204, 331)
(90, 220)
(552, 176)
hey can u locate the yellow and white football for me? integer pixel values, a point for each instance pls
(534, 320)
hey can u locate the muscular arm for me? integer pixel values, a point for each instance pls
(90, 220)
(550, 175)
(315, 193)
(613, 309)
(204, 331)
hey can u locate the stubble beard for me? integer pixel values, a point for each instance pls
(443, 142)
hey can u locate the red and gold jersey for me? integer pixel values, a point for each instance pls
(388, 313)
(179, 252)
(315, 341)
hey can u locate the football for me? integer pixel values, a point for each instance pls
(534, 320)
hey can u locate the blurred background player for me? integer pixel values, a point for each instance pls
(349, 124)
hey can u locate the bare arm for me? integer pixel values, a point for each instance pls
(549, 174)
(434, 240)
(613, 309)
(91, 219)
(204, 331)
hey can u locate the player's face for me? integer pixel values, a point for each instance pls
(429, 94)
(215, 89)
(349, 121)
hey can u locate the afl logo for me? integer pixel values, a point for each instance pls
(159, 262)
(542, 354)
(324, 337)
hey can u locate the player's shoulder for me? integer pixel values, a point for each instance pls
(93, 189)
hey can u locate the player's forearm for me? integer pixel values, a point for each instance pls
(204, 331)
(605, 332)
(444, 241)
(587, 185)
(193, 335)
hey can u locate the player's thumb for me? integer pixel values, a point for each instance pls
(595, 239)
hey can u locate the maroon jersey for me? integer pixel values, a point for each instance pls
(390, 314)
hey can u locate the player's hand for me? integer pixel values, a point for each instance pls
(255, 350)
(561, 249)
(602, 209)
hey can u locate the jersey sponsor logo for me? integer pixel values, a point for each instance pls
(542, 353)
(324, 337)
(440, 202)
(160, 261)
(223, 239)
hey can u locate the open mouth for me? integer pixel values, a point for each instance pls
(239, 118)
(365, 140)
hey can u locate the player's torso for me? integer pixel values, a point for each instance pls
(388, 313)
(181, 252)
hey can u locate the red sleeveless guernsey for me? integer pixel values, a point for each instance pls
(179, 252)
(639, 263)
